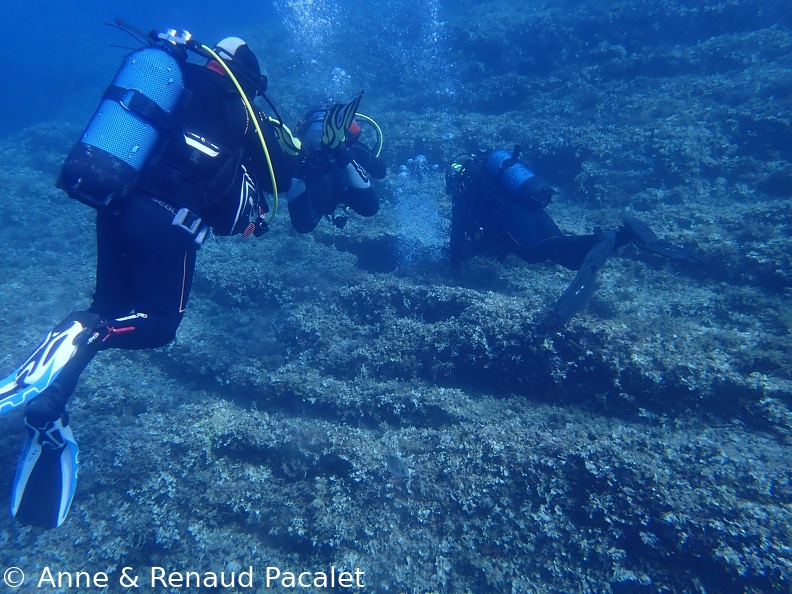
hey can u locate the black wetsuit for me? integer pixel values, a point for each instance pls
(145, 264)
(338, 179)
(485, 218)
(495, 210)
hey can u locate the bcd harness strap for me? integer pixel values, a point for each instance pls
(134, 100)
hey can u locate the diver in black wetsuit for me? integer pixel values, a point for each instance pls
(209, 172)
(330, 181)
(498, 205)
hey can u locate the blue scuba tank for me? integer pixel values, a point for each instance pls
(135, 112)
(514, 178)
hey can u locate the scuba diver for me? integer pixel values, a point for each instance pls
(175, 150)
(497, 205)
(333, 170)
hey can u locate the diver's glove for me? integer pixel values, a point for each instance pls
(342, 155)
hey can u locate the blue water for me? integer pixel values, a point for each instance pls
(58, 55)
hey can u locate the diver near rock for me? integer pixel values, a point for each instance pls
(497, 206)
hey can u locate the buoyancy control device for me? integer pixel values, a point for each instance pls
(135, 113)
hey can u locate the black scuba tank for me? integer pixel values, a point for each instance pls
(520, 183)
(134, 114)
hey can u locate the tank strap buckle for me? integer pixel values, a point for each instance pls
(128, 97)
(136, 102)
(189, 222)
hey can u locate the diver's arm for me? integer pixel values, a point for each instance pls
(283, 166)
(374, 166)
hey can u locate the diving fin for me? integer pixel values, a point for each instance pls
(337, 121)
(286, 139)
(46, 476)
(41, 368)
(644, 238)
(582, 287)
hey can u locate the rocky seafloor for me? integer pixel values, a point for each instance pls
(339, 399)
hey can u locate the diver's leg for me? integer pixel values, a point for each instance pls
(363, 201)
(161, 269)
(534, 237)
(302, 216)
(111, 298)
(567, 250)
(159, 261)
(143, 264)
(518, 231)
